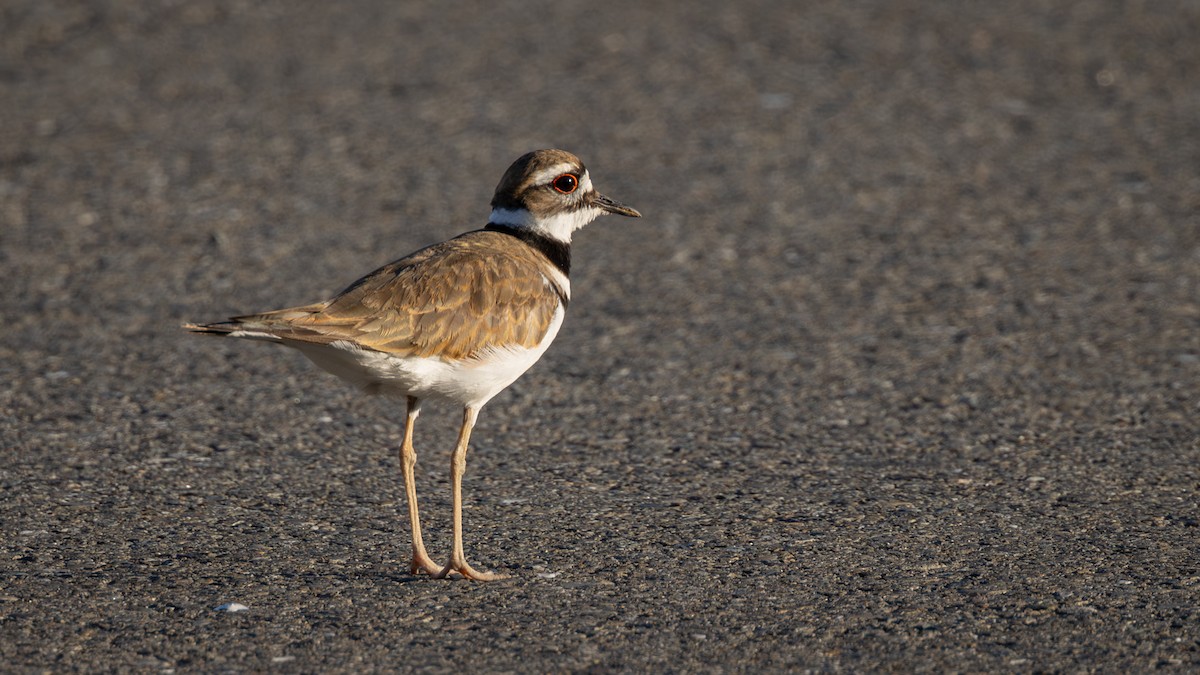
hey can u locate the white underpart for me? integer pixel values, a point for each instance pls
(555, 277)
(469, 383)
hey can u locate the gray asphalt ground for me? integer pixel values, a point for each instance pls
(900, 372)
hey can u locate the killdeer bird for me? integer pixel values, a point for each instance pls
(457, 321)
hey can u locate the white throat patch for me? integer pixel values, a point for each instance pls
(558, 226)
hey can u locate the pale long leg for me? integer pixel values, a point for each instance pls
(458, 465)
(421, 562)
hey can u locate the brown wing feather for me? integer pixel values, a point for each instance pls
(454, 299)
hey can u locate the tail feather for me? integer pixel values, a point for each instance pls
(217, 328)
(235, 327)
(278, 326)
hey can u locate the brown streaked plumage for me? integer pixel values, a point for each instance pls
(453, 300)
(457, 321)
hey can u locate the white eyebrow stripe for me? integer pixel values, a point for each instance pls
(548, 174)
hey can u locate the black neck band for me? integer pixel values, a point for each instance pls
(559, 253)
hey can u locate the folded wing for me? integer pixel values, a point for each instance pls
(457, 299)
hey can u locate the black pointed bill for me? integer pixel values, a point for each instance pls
(611, 206)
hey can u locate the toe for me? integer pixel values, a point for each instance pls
(469, 572)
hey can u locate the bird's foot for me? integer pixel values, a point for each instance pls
(421, 562)
(467, 572)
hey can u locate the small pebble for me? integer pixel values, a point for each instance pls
(231, 607)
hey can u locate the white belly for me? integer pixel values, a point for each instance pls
(471, 382)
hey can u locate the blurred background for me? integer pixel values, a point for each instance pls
(900, 370)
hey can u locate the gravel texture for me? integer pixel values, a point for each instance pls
(900, 372)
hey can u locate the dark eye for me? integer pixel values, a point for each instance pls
(566, 183)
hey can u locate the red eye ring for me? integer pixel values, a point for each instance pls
(566, 183)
